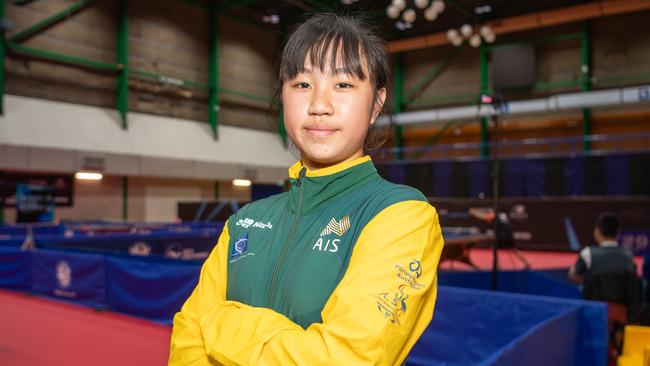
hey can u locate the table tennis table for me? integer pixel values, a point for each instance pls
(458, 242)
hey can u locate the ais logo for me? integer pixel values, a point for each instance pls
(333, 227)
(328, 245)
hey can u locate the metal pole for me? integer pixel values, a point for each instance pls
(585, 48)
(281, 129)
(62, 58)
(52, 19)
(213, 71)
(485, 89)
(2, 70)
(495, 203)
(123, 61)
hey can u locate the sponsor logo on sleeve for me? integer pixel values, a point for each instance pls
(392, 305)
(248, 222)
(411, 274)
(240, 249)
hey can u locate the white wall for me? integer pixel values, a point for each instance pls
(149, 199)
(43, 135)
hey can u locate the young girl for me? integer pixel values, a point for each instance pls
(340, 270)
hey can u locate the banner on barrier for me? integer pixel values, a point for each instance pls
(70, 276)
(192, 245)
(473, 327)
(14, 269)
(152, 290)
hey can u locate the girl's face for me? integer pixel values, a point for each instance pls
(327, 114)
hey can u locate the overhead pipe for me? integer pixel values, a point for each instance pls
(542, 19)
(591, 99)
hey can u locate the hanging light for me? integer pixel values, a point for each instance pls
(490, 37)
(457, 41)
(403, 25)
(271, 18)
(421, 4)
(485, 30)
(466, 30)
(400, 4)
(409, 15)
(452, 33)
(475, 40)
(392, 11)
(439, 5)
(430, 14)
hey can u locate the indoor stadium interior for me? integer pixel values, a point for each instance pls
(132, 130)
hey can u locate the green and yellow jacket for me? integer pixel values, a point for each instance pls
(340, 270)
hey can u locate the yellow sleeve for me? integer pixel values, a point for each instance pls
(374, 316)
(187, 346)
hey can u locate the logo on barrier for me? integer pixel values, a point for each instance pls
(140, 248)
(174, 250)
(64, 274)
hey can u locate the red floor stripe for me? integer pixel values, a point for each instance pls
(482, 258)
(36, 331)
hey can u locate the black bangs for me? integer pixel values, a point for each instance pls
(341, 44)
(331, 42)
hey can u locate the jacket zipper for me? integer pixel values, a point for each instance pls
(289, 240)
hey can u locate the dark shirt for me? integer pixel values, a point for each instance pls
(595, 260)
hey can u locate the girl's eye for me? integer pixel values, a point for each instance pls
(302, 85)
(343, 85)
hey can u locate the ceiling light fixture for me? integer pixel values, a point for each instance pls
(241, 182)
(88, 176)
(409, 15)
(392, 11)
(271, 18)
(485, 33)
(421, 4)
(485, 9)
(431, 10)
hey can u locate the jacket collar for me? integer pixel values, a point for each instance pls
(294, 170)
(323, 186)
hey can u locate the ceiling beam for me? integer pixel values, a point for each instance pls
(542, 19)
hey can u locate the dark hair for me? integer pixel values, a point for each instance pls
(325, 36)
(608, 224)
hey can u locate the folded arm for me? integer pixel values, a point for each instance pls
(187, 346)
(374, 316)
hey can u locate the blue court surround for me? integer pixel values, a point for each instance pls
(470, 327)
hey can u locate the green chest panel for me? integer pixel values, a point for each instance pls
(290, 260)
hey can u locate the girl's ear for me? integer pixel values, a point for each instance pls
(380, 98)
